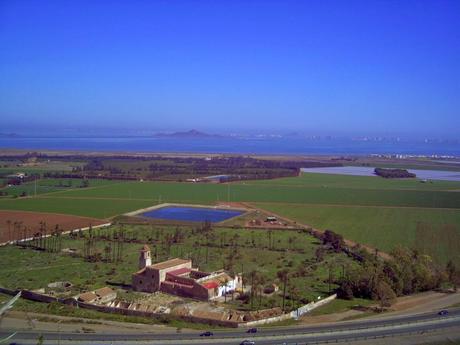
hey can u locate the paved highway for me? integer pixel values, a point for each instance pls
(362, 329)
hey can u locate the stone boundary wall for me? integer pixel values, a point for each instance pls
(124, 311)
(279, 318)
(9, 291)
(310, 306)
(30, 295)
(163, 316)
(212, 322)
(295, 314)
(34, 296)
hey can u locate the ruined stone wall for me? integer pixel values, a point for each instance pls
(192, 291)
(180, 280)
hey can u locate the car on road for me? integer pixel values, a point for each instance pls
(443, 312)
(252, 330)
(247, 342)
(206, 334)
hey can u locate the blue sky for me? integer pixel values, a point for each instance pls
(311, 66)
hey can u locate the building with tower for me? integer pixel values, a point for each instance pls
(144, 257)
(178, 277)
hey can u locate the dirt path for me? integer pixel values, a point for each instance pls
(425, 302)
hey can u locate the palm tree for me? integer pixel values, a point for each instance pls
(108, 252)
(15, 224)
(261, 282)
(223, 284)
(290, 242)
(8, 222)
(330, 278)
(253, 275)
(294, 293)
(270, 235)
(283, 275)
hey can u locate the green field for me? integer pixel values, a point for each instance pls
(308, 189)
(433, 231)
(11, 167)
(210, 193)
(356, 182)
(369, 210)
(44, 186)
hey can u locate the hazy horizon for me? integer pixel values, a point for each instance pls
(50, 130)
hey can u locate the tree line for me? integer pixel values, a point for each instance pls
(406, 273)
(393, 173)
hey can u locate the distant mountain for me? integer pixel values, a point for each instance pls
(8, 135)
(193, 133)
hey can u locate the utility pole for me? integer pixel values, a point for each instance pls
(35, 187)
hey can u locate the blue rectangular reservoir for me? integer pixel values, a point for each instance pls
(192, 214)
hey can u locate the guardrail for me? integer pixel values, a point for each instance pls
(385, 325)
(365, 337)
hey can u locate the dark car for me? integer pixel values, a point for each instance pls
(252, 330)
(247, 342)
(443, 312)
(206, 334)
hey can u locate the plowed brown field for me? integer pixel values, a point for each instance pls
(18, 224)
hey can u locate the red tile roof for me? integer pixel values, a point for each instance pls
(174, 284)
(180, 271)
(211, 285)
